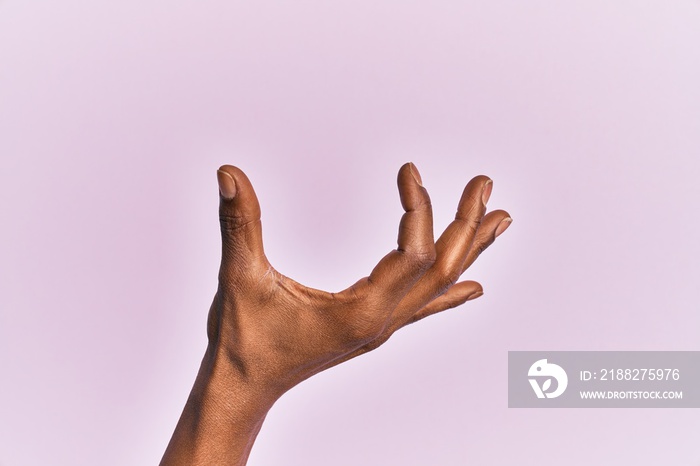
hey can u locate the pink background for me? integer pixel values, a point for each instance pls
(115, 115)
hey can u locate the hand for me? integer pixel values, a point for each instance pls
(267, 332)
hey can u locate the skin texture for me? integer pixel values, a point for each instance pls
(267, 332)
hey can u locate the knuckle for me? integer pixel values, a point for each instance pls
(444, 283)
(479, 248)
(358, 320)
(424, 204)
(363, 328)
(232, 223)
(368, 320)
(446, 274)
(422, 259)
(470, 221)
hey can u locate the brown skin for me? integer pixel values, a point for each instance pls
(267, 332)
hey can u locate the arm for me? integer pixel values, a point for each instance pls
(267, 332)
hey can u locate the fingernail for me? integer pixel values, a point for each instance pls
(414, 173)
(486, 192)
(503, 226)
(475, 295)
(227, 186)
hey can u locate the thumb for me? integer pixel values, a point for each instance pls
(241, 230)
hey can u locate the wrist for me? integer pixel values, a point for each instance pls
(222, 416)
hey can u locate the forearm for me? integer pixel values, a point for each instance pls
(221, 418)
